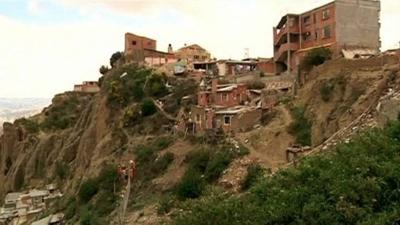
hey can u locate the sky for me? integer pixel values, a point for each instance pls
(47, 46)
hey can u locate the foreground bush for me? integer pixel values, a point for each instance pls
(315, 57)
(357, 184)
(300, 127)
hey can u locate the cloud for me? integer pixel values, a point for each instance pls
(34, 6)
(40, 60)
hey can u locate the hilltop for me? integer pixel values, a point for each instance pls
(81, 138)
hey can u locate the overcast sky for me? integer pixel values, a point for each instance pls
(48, 45)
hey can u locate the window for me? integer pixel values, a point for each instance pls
(292, 22)
(196, 57)
(198, 118)
(307, 36)
(326, 32)
(227, 120)
(306, 20)
(224, 97)
(133, 42)
(315, 18)
(325, 14)
(316, 35)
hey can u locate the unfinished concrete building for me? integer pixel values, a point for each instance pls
(341, 24)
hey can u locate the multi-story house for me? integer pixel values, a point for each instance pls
(341, 24)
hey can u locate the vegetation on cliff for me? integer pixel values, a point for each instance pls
(356, 184)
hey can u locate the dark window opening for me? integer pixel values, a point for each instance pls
(306, 20)
(327, 32)
(227, 120)
(325, 14)
(133, 42)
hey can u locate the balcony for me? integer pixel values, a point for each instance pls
(284, 48)
(278, 34)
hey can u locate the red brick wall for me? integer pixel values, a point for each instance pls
(266, 66)
(134, 42)
(316, 25)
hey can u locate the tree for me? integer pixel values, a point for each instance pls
(104, 69)
(115, 57)
(315, 57)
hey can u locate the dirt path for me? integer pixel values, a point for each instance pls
(267, 144)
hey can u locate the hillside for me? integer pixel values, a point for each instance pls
(80, 139)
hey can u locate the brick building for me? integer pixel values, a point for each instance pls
(193, 53)
(144, 49)
(341, 24)
(223, 95)
(87, 87)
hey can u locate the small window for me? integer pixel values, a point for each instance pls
(326, 32)
(149, 43)
(316, 35)
(133, 42)
(292, 22)
(306, 20)
(325, 14)
(227, 120)
(307, 36)
(196, 57)
(315, 18)
(225, 97)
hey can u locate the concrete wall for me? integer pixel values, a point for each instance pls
(240, 122)
(357, 23)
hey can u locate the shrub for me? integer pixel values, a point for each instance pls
(71, 208)
(62, 114)
(88, 189)
(254, 173)
(165, 204)
(191, 186)
(300, 127)
(198, 160)
(326, 91)
(104, 69)
(62, 170)
(315, 57)
(219, 162)
(356, 184)
(30, 125)
(108, 178)
(258, 85)
(161, 164)
(115, 57)
(155, 86)
(88, 217)
(148, 108)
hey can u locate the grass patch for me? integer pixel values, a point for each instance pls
(300, 127)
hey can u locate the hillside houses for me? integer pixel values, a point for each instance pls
(20, 207)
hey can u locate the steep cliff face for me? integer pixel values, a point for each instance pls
(341, 90)
(30, 159)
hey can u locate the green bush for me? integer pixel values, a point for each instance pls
(88, 217)
(104, 69)
(161, 164)
(155, 86)
(254, 173)
(62, 114)
(218, 163)
(300, 127)
(148, 108)
(71, 208)
(356, 184)
(30, 125)
(326, 90)
(198, 160)
(191, 186)
(258, 85)
(88, 189)
(315, 57)
(165, 204)
(115, 57)
(62, 170)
